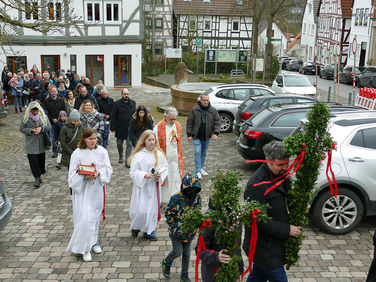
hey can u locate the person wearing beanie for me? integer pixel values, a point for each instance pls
(70, 136)
(59, 125)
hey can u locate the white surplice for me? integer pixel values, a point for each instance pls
(143, 211)
(87, 197)
(173, 181)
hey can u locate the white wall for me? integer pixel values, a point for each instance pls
(277, 45)
(33, 54)
(308, 36)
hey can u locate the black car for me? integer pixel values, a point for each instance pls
(255, 104)
(274, 123)
(327, 71)
(294, 65)
(308, 68)
(368, 77)
(346, 75)
(5, 206)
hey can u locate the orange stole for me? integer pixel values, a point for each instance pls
(163, 142)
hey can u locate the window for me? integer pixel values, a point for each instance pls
(58, 11)
(50, 11)
(279, 79)
(365, 138)
(225, 94)
(159, 2)
(192, 25)
(73, 63)
(28, 10)
(235, 26)
(301, 100)
(35, 10)
(241, 94)
(366, 16)
(360, 22)
(304, 28)
(93, 11)
(207, 25)
(239, 2)
(158, 49)
(112, 12)
(148, 23)
(158, 23)
(356, 16)
(280, 101)
(207, 1)
(289, 119)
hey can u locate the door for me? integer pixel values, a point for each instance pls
(122, 69)
(16, 63)
(94, 68)
(51, 63)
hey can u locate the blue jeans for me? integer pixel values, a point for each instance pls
(179, 248)
(53, 137)
(105, 136)
(17, 102)
(201, 147)
(262, 275)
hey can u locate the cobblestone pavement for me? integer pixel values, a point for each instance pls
(32, 245)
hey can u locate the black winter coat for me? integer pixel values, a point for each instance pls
(271, 236)
(122, 113)
(105, 106)
(53, 107)
(209, 258)
(213, 122)
(80, 99)
(6, 86)
(134, 134)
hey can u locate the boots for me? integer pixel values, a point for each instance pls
(37, 182)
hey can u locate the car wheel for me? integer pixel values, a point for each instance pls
(338, 215)
(226, 122)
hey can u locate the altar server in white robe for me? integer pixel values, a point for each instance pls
(149, 169)
(88, 194)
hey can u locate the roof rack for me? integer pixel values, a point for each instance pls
(242, 84)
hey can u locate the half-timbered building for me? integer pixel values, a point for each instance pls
(309, 31)
(224, 24)
(105, 44)
(334, 24)
(158, 26)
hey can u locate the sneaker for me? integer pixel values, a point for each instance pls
(87, 257)
(203, 172)
(135, 233)
(58, 166)
(37, 183)
(184, 278)
(97, 249)
(120, 161)
(199, 175)
(151, 237)
(166, 269)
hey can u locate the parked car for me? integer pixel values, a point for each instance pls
(327, 71)
(285, 63)
(273, 123)
(308, 68)
(227, 98)
(368, 77)
(5, 206)
(293, 84)
(294, 65)
(353, 163)
(346, 75)
(255, 104)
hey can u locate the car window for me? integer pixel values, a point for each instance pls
(297, 81)
(241, 94)
(259, 117)
(280, 101)
(278, 79)
(371, 69)
(289, 119)
(264, 91)
(264, 104)
(365, 138)
(225, 94)
(302, 100)
(358, 139)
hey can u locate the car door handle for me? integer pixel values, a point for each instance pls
(356, 159)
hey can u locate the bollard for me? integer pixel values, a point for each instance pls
(349, 101)
(329, 90)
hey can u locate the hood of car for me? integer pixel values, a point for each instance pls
(308, 90)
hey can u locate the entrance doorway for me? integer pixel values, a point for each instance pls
(122, 69)
(15, 63)
(94, 68)
(51, 63)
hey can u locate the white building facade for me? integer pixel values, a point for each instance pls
(105, 44)
(280, 45)
(308, 34)
(361, 25)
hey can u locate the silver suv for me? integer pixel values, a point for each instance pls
(227, 98)
(353, 163)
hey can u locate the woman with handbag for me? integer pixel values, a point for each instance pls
(89, 171)
(35, 125)
(70, 135)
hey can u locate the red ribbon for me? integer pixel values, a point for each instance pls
(297, 162)
(104, 202)
(201, 245)
(159, 201)
(252, 242)
(329, 168)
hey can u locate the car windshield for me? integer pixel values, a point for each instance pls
(259, 117)
(297, 81)
(207, 92)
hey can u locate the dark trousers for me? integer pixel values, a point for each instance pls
(37, 164)
(272, 275)
(179, 248)
(128, 149)
(372, 270)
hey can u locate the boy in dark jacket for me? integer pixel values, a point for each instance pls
(188, 198)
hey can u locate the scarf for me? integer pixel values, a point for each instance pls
(42, 116)
(34, 118)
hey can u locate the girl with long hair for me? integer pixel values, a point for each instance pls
(139, 123)
(148, 171)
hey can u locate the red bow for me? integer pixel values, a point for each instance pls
(297, 161)
(201, 245)
(252, 242)
(329, 168)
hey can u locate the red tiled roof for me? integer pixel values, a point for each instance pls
(346, 8)
(296, 40)
(217, 7)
